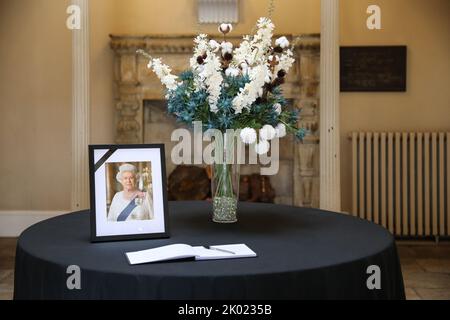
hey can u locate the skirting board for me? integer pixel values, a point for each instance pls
(14, 222)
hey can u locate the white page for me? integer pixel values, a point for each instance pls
(202, 253)
(170, 252)
(180, 251)
(230, 251)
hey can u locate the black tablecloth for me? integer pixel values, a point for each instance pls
(302, 254)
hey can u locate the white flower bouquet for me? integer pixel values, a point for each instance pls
(234, 88)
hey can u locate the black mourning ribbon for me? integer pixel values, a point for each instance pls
(104, 158)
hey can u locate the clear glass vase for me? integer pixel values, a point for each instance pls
(225, 182)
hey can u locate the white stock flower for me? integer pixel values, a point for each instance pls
(248, 135)
(262, 40)
(242, 54)
(267, 132)
(201, 47)
(264, 22)
(286, 61)
(212, 77)
(232, 72)
(254, 50)
(162, 71)
(280, 130)
(260, 92)
(249, 93)
(262, 147)
(208, 74)
(169, 81)
(283, 42)
(277, 108)
(200, 69)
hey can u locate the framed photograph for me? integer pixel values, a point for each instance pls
(373, 69)
(128, 192)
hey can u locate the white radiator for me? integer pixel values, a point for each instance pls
(402, 181)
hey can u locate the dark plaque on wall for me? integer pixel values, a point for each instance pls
(373, 68)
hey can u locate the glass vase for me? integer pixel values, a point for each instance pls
(225, 182)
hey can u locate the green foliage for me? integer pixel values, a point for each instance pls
(189, 105)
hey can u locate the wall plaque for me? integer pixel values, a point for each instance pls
(373, 68)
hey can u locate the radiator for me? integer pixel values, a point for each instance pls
(402, 181)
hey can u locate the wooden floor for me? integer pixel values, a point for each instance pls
(425, 267)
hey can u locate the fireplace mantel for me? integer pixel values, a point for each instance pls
(134, 84)
(183, 43)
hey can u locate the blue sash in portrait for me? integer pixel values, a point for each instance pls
(127, 210)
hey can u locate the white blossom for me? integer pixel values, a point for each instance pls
(201, 47)
(214, 45)
(254, 50)
(200, 68)
(225, 27)
(262, 147)
(260, 92)
(252, 58)
(227, 47)
(248, 135)
(163, 72)
(286, 61)
(267, 132)
(277, 108)
(283, 42)
(208, 74)
(169, 81)
(211, 76)
(262, 41)
(280, 130)
(249, 93)
(232, 72)
(242, 54)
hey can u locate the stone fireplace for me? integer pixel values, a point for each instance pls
(142, 117)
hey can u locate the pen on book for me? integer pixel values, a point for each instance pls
(223, 250)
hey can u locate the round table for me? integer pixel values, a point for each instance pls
(303, 253)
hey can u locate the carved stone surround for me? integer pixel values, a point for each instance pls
(137, 90)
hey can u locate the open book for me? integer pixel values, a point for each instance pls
(183, 251)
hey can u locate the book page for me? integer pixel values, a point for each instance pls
(227, 251)
(170, 252)
(202, 253)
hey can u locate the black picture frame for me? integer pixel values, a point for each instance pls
(373, 68)
(94, 214)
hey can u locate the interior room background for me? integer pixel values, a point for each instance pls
(36, 75)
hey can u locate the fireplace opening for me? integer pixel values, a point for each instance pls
(192, 182)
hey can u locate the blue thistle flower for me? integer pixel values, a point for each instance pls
(300, 134)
